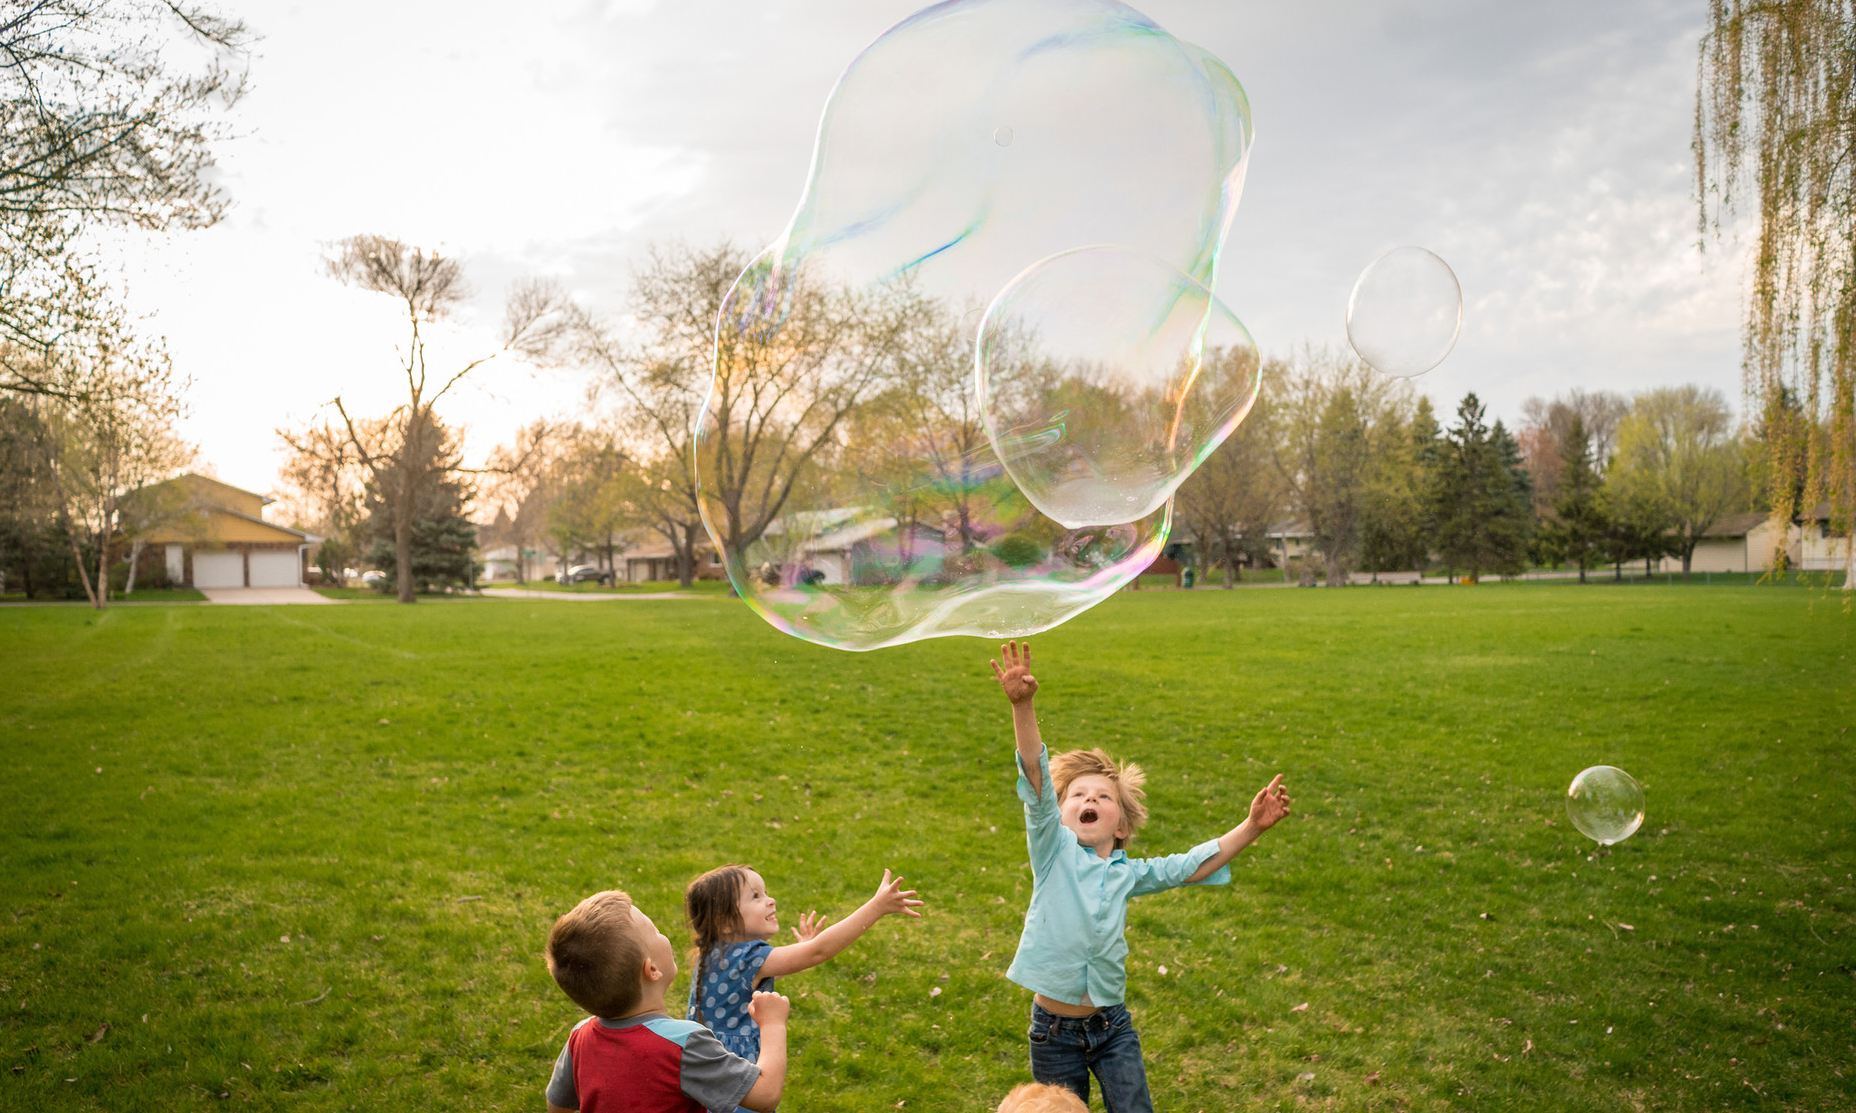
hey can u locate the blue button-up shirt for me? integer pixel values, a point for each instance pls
(1072, 948)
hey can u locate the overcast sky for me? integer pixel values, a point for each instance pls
(1543, 150)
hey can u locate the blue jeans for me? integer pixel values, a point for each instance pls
(1066, 1050)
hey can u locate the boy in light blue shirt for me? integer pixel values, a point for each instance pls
(1081, 810)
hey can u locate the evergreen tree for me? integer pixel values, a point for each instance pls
(1576, 532)
(1479, 497)
(443, 541)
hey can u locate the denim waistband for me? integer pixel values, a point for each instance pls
(1100, 1020)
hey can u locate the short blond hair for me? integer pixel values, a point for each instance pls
(597, 954)
(1042, 1097)
(1128, 778)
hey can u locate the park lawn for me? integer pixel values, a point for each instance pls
(307, 857)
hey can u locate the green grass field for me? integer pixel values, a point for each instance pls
(305, 858)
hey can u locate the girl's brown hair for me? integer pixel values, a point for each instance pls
(712, 906)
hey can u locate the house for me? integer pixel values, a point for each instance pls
(212, 534)
(657, 561)
(1747, 543)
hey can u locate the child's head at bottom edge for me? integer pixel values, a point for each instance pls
(609, 958)
(1042, 1097)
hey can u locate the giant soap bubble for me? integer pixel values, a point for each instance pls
(1605, 804)
(1405, 312)
(980, 162)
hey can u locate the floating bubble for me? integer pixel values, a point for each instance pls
(1405, 312)
(844, 466)
(1605, 804)
(1112, 375)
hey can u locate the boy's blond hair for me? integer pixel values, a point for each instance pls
(1128, 778)
(1042, 1097)
(597, 955)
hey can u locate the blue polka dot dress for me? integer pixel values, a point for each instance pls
(721, 988)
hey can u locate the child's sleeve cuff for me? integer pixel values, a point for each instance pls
(1197, 856)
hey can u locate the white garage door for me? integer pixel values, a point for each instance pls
(219, 570)
(274, 570)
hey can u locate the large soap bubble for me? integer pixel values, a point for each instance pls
(1405, 312)
(844, 466)
(1111, 375)
(1605, 804)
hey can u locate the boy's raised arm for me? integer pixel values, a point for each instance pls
(1269, 806)
(1019, 687)
(769, 1010)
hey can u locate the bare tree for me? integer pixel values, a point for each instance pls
(96, 129)
(777, 399)
(431, 287)
(323, 480)
(112, 441)
(1236, 494)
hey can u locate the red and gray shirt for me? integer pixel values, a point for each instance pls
(648, 1064)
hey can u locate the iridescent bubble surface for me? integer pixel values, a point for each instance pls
(1405, 312)
(1112, 375)
(845, 465)
(1605, 804)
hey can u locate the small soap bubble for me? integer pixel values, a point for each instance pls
(1405, 312)
(1606, 804)
(1003, 137)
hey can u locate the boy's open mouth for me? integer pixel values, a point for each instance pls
(1087, 815)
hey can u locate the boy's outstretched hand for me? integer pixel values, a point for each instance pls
(1016, 676)
(893, 900)
(1270, 805)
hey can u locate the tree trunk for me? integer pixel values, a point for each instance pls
(135, 554)
(1581, 569)
(77, 555)
(686, 557)
(1849, 561)
(402, 545)
(1688, 557)
(1337, 577)
(103, 564)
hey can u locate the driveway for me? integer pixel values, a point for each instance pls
(263, 596)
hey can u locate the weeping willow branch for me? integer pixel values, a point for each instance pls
(1775, 114)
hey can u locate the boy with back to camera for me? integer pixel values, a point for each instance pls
(1081, 810)
(629, 1056)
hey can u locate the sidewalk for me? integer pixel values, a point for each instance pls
(263, 596)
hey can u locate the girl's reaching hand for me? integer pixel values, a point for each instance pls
(892, 899)
(1270, 805)
(810, 924)
(1016, 676)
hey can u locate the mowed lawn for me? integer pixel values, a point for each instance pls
(305, 858)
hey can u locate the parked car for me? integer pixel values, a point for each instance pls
(584, 573)
(373, 577)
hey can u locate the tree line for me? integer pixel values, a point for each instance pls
(1360, 468)
(868, 396)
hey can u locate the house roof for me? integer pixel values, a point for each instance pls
(1737, 525)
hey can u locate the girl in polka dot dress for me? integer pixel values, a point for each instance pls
(733, 920)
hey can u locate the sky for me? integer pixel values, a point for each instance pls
(1542, 150)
